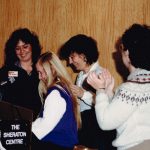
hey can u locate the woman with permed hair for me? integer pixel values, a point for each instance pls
(128, 110)
(18, 76)
(81, 53)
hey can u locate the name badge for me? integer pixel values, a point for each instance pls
(12, 73)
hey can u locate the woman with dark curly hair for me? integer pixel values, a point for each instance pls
(81, 53)
(128, 110)
(18, 76)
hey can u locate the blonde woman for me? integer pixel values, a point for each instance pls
(56, 127)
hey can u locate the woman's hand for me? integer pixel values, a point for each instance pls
(102, 81)
(96, 81)
(77, 91)
(109, 80)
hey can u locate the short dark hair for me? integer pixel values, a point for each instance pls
(26, 36)
(80, 44)
(136, 39)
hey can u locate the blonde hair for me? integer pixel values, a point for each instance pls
(50, 61)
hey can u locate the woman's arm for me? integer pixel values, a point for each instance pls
(111, 111)
(111, 114)
(54, 109)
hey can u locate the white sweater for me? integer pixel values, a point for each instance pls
(128, 110)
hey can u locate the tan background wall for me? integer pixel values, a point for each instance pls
(57, 20)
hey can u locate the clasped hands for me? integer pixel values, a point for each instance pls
(103, 80)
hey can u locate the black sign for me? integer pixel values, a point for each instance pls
(15, 134)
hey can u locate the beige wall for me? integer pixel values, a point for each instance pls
(57, 20)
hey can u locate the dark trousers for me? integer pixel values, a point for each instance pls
(90, 135)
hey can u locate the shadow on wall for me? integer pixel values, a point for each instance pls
(121, 69)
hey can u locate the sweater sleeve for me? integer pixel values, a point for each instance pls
(112, 113)
(54, 109)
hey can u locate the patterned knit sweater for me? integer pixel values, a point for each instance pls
(128, 110)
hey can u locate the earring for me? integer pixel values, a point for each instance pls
(85, 60)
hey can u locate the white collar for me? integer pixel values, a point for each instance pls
(139, 75)
(93, 68)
